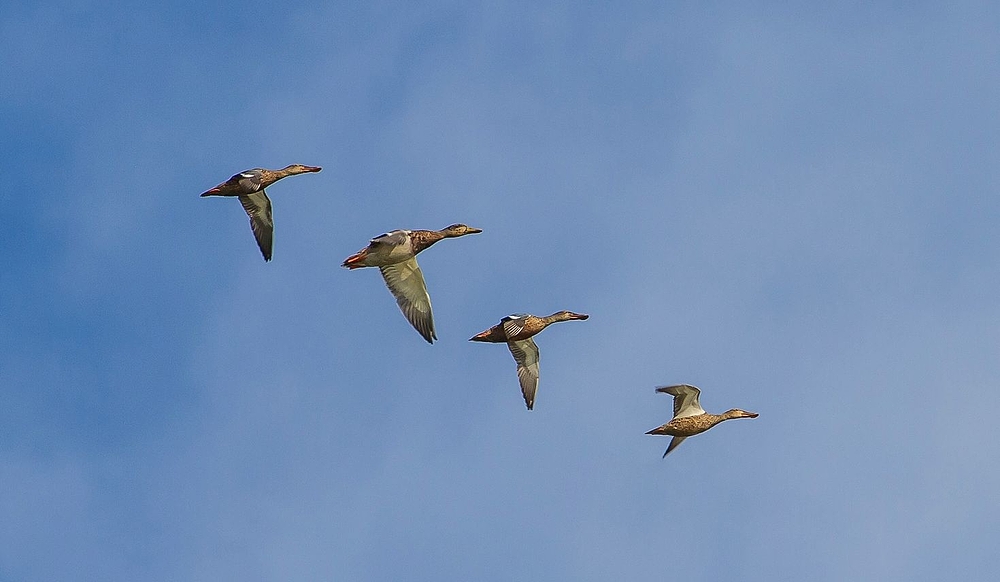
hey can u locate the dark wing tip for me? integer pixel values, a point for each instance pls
(430, 334)
(265, 249)
(427, 332)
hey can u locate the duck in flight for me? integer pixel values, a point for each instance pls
(689, 417)
(249, 187)
(395, 254)
(516, 331)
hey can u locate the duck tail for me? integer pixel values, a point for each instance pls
(493, 335)
(355, 261)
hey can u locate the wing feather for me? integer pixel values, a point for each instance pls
(250, 180)
(525, 353)
(393, 238)
(258, 207)
(685, 400)
(513, 325)
(406, 283)
(674, 443)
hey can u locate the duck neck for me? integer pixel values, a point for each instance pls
(714, 419)
(287, 171)
(554, 318)
(421, 239)
(269, 177)
(731, 414)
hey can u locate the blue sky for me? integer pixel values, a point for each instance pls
(791, 207)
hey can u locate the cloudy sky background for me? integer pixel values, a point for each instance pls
(793, 208)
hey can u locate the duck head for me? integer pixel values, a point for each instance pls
(300, 169)
(459, 230)
(568, 316)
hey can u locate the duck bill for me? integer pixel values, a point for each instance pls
(312, 168)
(580, 316)
(213, 192)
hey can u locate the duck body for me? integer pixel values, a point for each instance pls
(689, 417)
(692, 425)
(400, 245)
(516, 331)
(385, 249)
(517, 327)
(249, 187)
(395, 255)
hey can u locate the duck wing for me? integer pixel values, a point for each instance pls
(685, 401)
(513, 324)
(525, 353)
(394, 238)
(406, 283)
(674, 442)
(250, 180)
(258, 208)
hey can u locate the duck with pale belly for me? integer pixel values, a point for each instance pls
(395, 255)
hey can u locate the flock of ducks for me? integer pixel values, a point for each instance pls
(395, 255)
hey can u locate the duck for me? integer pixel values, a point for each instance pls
(249, 186)
(516, 330)
(395, 255)
(689, 417)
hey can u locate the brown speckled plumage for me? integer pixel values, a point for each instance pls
(692, 425)
(528, 325)
(256, 179)
(516, 331)
(421, 239)
(689, 418)
(249, 187)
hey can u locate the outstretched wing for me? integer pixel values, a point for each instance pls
(673, 444)
(685, 401)
(525, 353)
(406, 283)
(258, 208)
